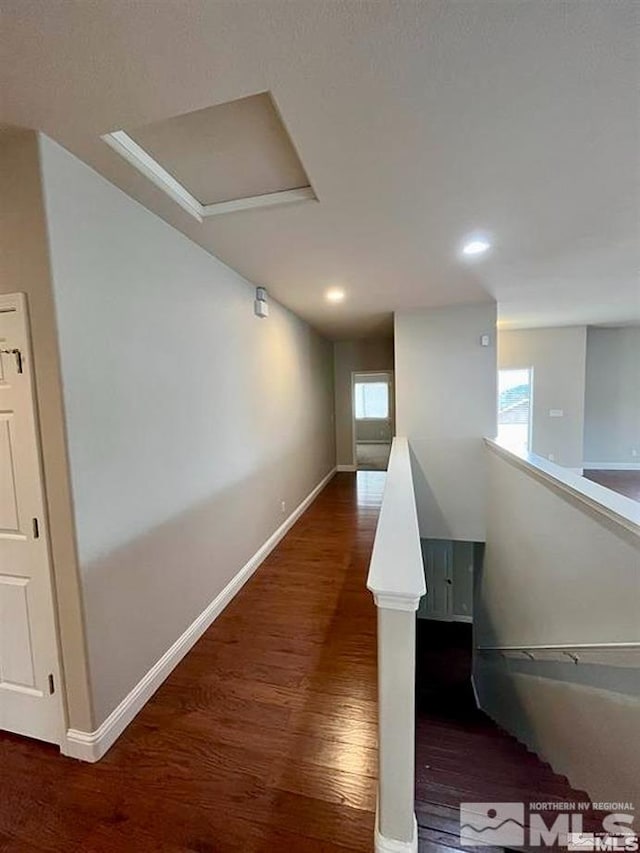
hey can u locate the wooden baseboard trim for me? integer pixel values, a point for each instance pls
(91, 746)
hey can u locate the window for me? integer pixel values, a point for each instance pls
(372, 400)
(514, 408)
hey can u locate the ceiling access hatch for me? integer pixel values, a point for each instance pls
(229, 157)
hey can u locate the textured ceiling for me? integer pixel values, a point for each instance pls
(417, 123)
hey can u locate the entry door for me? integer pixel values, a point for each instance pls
(29, 671)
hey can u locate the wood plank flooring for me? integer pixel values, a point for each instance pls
(262, 739)
(626, 483)
(461, 755)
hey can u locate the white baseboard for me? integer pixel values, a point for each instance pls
(390, 845)
(91, 746)
(346, 468)
(611, 466)
(475, 693)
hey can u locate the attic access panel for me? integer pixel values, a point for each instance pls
(231, 156)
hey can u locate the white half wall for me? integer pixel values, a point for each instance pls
(561, 567)
(557, 357)
(190, 421)
(445, 404)
(550, 561)
(612, 403)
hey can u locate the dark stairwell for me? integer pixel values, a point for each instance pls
(461, 754)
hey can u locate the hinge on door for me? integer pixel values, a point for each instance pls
(52, 687)
(36, 528)
(17, 355)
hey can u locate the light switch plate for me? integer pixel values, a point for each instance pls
(556, 413)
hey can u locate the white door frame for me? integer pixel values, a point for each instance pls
(18, 302)
(392, 407)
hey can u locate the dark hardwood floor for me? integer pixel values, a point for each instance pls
(624, 482)
(461, 754)
(262, 739)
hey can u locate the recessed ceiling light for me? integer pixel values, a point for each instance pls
(476, 246)
(335, 294)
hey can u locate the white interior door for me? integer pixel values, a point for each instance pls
(437, 556)
(29, 669)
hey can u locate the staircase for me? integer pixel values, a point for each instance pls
(461, 754)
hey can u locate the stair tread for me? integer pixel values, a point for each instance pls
(543, 783)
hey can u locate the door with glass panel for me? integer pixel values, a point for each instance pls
(373, 422)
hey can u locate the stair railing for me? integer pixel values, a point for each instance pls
(569, 650)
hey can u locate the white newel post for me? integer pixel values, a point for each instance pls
(396, 579)
(396, 829)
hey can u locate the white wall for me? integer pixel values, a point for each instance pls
(349, 356)
(543, 579)
(557, 571)
(612, 402)
(558, 360)
(189, 420)
(24, 268)
(445, 405)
